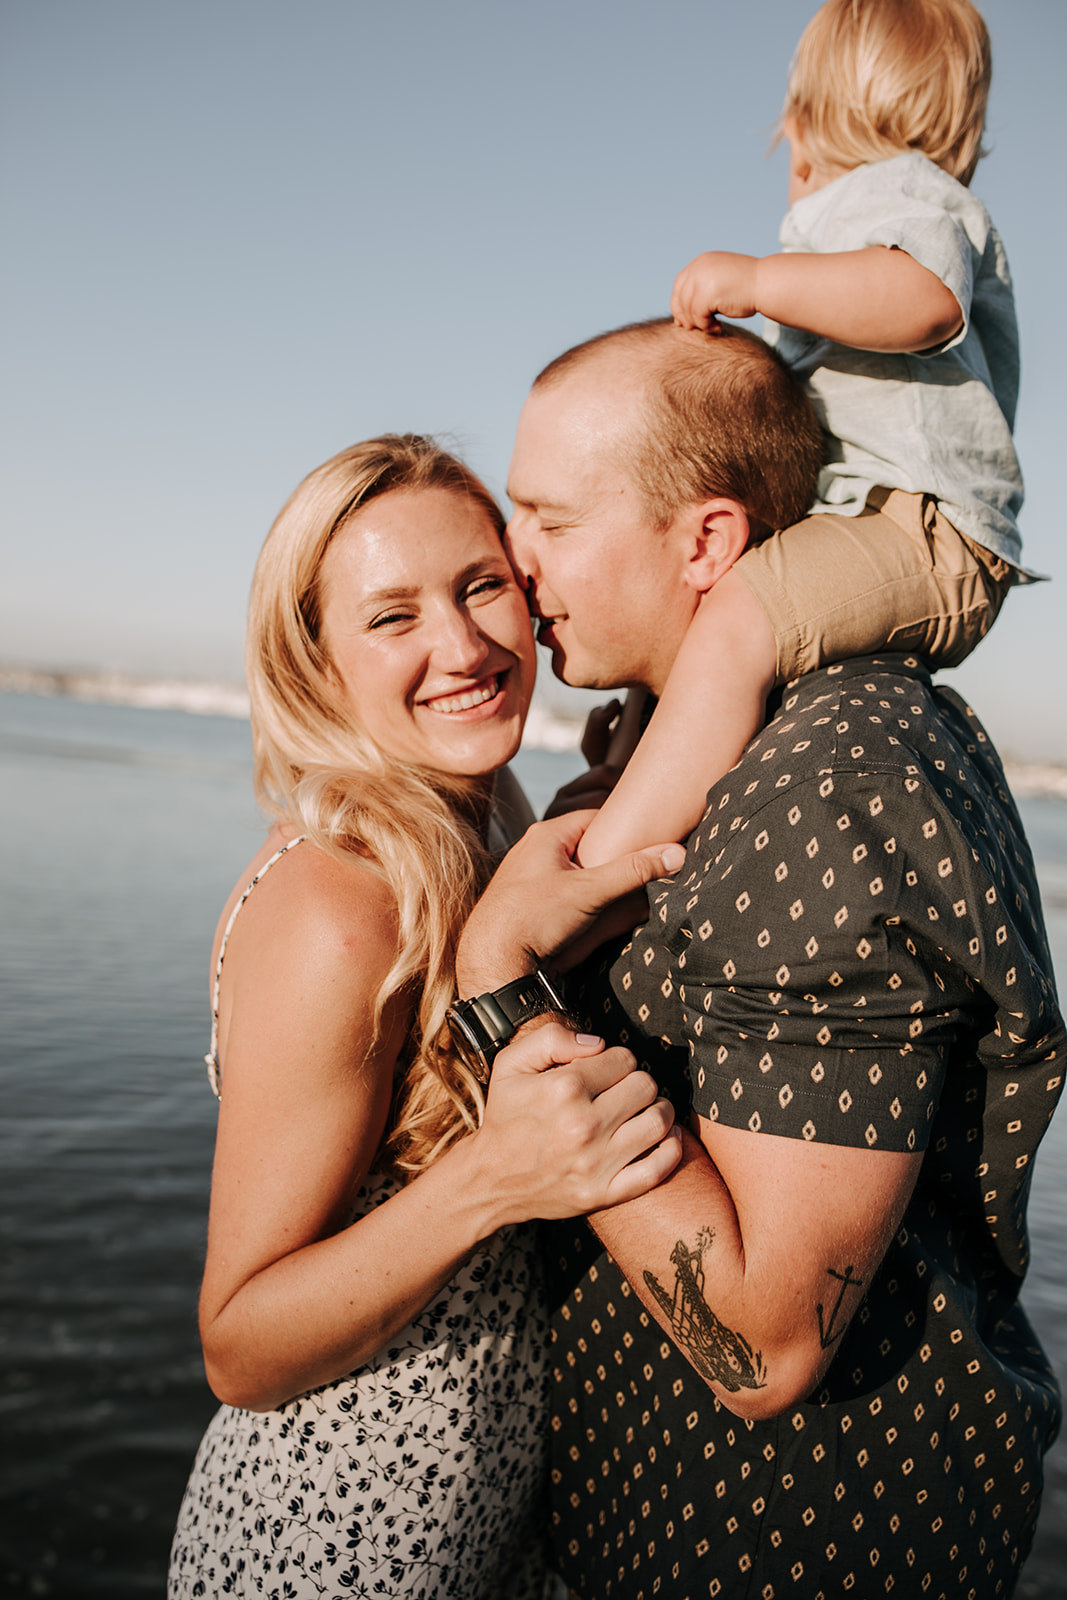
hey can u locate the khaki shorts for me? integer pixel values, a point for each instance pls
(897, 577)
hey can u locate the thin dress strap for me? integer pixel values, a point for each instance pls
(212, 1059)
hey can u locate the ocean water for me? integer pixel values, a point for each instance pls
(122, 832)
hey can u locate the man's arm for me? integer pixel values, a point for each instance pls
(542, 904)
(756, 1253)
(753, 1255)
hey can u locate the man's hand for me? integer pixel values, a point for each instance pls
(717, 282)
(601, 726)
(610, 738)
(589, 790)
(542, 907)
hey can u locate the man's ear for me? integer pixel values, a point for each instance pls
(719, 535)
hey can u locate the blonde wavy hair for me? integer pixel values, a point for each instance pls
(318, 770)
(873, 78)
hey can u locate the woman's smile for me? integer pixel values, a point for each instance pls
(467, 700)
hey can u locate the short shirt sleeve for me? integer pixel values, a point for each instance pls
(793, 959)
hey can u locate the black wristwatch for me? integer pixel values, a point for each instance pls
(480, 1028)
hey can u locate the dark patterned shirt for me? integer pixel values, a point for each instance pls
(853, 953)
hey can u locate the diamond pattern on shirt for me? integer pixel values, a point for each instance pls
(852, 953)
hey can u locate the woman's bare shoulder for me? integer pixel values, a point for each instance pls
(311, 910)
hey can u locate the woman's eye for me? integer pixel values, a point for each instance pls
(389, 617)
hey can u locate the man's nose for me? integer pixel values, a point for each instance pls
(519, 549)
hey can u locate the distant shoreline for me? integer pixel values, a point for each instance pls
(545, 729)
(114, 688)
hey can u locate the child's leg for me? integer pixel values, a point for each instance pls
(898, 576)
(713, 704)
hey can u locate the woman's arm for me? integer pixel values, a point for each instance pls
(292, 1297)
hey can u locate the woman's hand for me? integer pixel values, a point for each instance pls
(571, 1126)
(542, 906)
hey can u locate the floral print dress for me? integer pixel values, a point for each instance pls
(422, 1474)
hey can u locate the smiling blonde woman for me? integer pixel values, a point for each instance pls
(371, 1311)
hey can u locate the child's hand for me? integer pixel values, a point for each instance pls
(718, 281)
(610, 739)
(599, 731)
(586, 792)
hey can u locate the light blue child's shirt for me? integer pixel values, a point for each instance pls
(938, 422)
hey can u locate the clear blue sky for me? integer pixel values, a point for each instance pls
(242, 235)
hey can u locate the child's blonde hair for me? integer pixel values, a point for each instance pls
(873, 78)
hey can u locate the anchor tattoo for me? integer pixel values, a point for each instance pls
(719, 1354)
(829, 1333)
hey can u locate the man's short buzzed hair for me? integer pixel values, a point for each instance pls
(723, 416)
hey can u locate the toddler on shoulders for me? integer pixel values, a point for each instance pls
(892, 300)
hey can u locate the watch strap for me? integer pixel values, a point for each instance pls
(505, 1010)
(489, 1021)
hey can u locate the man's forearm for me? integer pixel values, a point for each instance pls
(680, 1248)
(756, 1263)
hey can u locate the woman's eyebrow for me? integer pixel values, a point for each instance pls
(398, 592)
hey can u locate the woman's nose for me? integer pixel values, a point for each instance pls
(461, 646)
